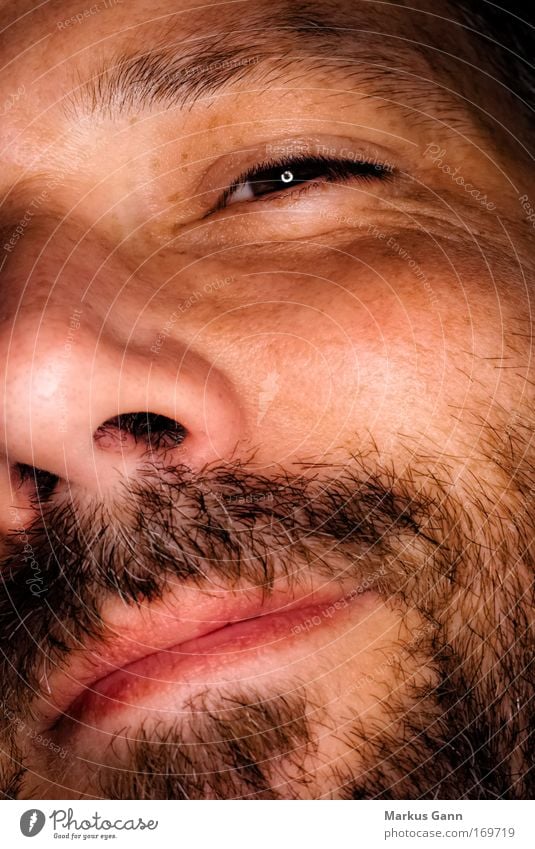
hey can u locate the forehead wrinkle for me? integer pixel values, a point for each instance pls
(269, 46)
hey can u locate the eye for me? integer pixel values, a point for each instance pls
(276, 178)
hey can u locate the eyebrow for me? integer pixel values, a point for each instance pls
(272, 45)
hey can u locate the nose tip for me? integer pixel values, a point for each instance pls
(91, 417)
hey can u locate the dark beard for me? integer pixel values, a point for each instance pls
(246, 748)
(465, 737)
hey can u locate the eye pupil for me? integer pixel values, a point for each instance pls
(287, 176)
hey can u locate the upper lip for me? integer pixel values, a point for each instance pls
(131, 634)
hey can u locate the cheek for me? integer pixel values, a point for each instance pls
(381, 351)
(330, 349)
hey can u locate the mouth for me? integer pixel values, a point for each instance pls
(151, 660)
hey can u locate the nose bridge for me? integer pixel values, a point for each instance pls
(49, 266)
(69, 367)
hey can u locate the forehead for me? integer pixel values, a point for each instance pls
(65, 28)
(136, 10)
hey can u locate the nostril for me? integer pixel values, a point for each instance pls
(156, 431)
(43, 483)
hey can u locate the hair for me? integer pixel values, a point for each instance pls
(506, 37)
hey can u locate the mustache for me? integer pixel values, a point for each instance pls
(225, 527)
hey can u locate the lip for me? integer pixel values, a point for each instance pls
(135, 637)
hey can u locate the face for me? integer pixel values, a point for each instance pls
(266, 463)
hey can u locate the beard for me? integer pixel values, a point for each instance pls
(461, 730)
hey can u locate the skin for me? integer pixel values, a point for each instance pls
(380, 327)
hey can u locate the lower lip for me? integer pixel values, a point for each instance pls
(216, 657)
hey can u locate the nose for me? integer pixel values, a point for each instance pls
(83, 407)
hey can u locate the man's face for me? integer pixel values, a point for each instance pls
(266, 428)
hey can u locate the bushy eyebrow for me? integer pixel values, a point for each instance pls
(280, 42)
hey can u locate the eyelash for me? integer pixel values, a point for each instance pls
(333, 171)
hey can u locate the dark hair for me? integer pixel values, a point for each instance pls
(507, 37)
